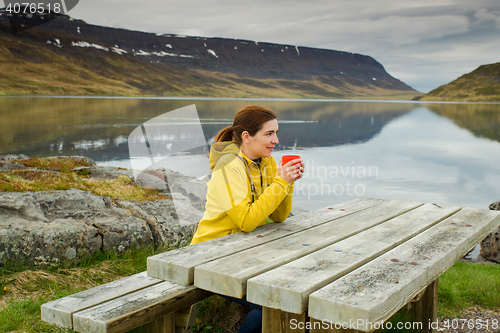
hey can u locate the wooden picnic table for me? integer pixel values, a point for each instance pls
(344, 268)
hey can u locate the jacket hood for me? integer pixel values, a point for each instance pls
(220, 149)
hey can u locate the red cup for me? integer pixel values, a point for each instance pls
(287, 158)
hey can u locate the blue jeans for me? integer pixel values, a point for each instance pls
(253, 321)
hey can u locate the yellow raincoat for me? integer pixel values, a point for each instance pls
(233, 204)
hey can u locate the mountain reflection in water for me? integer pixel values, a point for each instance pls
(442, 153)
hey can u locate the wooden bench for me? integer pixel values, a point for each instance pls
(125, 304)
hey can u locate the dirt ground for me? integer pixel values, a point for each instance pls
(472, 321)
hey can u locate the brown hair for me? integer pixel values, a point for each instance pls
(250, 119)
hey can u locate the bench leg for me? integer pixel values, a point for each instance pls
(164, 324)
(186, 318)
(424, 309)
(277, 321)
(181, 321)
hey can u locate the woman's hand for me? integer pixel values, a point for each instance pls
(292, 171)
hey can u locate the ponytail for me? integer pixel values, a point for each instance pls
(225, 134)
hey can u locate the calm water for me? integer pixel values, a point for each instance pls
(439, 153)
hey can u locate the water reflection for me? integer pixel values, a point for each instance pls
(420, 156)
(442, 153)
(99, 127)
(481, 119)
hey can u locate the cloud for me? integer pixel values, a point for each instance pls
(483, 15)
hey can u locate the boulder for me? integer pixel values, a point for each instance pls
(10, 157)
(103, 173)
(54, 227)
(20, 206)
(9, 166)
(170, 229)
(491, 244)
(192, 188)
(32, 242)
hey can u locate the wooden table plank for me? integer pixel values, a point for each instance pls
(229, 275)
(60, 311)
(136, 309)
(178, 265)
(375, 291)
(288, 287)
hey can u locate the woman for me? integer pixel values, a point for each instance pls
(246, 185)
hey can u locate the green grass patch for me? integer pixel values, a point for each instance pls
(23, 316)
(64, 164)
(57, 173)
(467, 285)
(24, 291)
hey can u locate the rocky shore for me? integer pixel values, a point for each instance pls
(490, 246)
(52, 227)
(61, 226)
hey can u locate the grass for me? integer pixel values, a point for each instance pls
(57, 173)
(468, 285)
(480, 85)
(57, 163)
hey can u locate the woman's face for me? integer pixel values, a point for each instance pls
(263, 142)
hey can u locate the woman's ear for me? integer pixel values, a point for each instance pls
(245, 136)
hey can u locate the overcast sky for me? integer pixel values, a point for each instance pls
(424, 43)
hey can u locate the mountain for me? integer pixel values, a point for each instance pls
(69, 57)
(480, 85)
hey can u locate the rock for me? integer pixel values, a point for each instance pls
(495, 206)
(194, 189)
(9, 166)
(10, 157)
(23, 241)
(184, 208)
(491, 244)
(88, 160)
(74, 204)
(20, 206)
(170, 229)
(54, 227)
(153, 180)
(123, 233)
(102, 173)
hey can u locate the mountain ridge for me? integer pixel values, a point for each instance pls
(195, 65)
(480, 85)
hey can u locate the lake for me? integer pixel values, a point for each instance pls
(445, 153)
